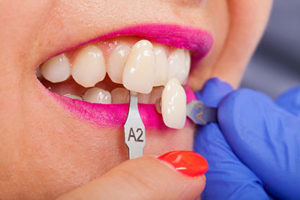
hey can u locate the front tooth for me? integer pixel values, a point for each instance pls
(116, 62)
(120, 96)
(89, 66)
(161, 65)
(97, 95)
(173, 105)
(57, 69)
(139, 69)
(179, 65)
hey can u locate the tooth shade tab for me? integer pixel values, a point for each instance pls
(89, 66)
(139, 71)
(179, 65)
(116, 62)
(97, 95)
(173, 105)
(57, 69)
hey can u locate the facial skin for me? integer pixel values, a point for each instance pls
(45, 150)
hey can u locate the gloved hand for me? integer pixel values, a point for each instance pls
(254, 150)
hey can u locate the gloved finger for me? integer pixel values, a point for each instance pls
(290, 101)
(149, 178)
(227, 177)
(213, 91)
(264, 137)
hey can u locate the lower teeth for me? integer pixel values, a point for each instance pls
(170, 101)
(102, 93)
(97, 95)
(71, 96)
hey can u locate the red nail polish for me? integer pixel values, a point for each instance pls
(187, 162)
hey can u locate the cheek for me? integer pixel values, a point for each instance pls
(217, 17)
(55, 162)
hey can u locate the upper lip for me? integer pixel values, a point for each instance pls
(198, 41)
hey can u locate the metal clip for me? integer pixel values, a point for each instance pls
(134, 129)
(201, 114)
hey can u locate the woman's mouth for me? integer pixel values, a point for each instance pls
(94, 80)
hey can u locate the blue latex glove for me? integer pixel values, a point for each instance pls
(254, 150)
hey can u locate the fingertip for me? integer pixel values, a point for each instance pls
(186, 162)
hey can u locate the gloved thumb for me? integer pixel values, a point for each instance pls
(264, 137)
(175, 175)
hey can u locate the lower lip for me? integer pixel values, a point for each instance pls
(114, 115)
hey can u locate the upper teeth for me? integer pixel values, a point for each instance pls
(139, 68)
(179, 65)
(89, 67)
(116, 62)
(161, 66)
(56, 69)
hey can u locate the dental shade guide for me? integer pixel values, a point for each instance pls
(134, 129)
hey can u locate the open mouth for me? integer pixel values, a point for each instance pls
(95, 79)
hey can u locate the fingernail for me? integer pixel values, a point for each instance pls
(186, 162)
